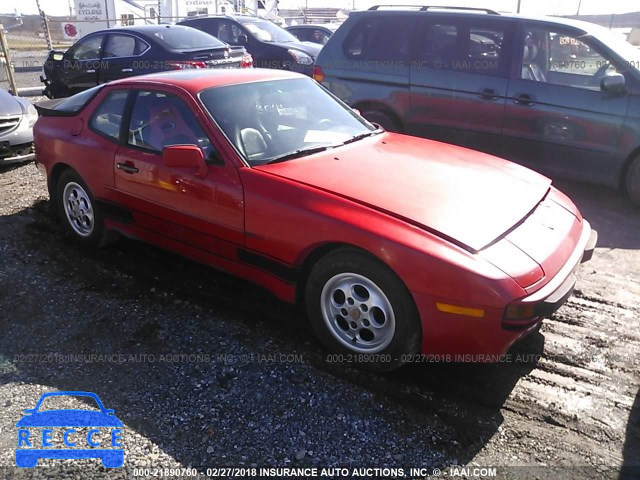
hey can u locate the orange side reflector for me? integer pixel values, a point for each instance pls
(458, 310)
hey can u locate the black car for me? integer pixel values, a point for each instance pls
(316, 33)
(116, 53)
(270, 45)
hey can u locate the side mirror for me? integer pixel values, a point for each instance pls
(243, 39)
(614, 83)
(57, 56)
(185, 156)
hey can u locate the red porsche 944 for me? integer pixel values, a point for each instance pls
(395, 245)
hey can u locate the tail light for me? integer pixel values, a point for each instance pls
(318, 74)
(247, 61)
(186, 65)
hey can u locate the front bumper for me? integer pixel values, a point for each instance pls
(459, 338)
(16, 153)
(546, 301)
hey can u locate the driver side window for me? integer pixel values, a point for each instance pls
(88, 49)
(564, 59)
(159, 120)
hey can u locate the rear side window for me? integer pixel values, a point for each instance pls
(107, 118)
(76, 102)
(380, 39)
(482, 48)
(123, 46)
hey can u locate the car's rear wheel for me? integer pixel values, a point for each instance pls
(382, 119)
(361, 310)
(632, 181)
(78, 211)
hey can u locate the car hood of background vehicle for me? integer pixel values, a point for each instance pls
(69, 418)
(305, 47)
(8, 104)
(470, 197)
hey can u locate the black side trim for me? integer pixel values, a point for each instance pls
(280, 270)
(114, 211)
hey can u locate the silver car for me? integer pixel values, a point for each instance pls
(17, 117)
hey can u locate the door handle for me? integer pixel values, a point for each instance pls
(127, 70)
(93, 70)
(488, 94)
(127, 168)
(524, 99)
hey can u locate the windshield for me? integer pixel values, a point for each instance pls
(281, 119)
(269, 32)
(186, 38)
(618, 44)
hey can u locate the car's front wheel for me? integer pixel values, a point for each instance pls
(361, 311)
(78, 211)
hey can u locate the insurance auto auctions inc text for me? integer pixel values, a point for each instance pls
(355, 472)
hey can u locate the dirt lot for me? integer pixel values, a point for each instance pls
(207, 371)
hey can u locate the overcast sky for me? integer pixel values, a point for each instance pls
(537, 7)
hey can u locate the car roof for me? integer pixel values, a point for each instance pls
(329, 26)
(237, 18)
(144, 29)
(586, 27)
(198, 79)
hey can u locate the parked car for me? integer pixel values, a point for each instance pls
(314, 33)
(560, 96)
(17, 117)
(395, 244)
(270, 45)
(116, 53)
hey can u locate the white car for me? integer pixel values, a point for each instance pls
(17, 117)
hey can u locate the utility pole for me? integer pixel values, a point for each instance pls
(518, 10)
(579, 3)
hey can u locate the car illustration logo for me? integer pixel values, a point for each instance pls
(36, 433)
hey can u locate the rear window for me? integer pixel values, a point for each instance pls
(381, 39)
(186, 38)
(76, 102)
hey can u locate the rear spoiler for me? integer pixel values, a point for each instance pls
(46, 108)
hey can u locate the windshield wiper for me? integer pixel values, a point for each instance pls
(361, 136)
(299, 153)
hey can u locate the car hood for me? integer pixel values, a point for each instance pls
(69, 418)
(467, 197)
(309, 48)
(8, 104)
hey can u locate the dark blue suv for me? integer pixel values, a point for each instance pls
(560, 96)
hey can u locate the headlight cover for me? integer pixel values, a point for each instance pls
(32, 115)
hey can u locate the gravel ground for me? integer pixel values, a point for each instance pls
(206, 370)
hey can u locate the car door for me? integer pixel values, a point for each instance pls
(459, 80)
(558, 119)
(122, 57)
(203, 212)
(81, 64)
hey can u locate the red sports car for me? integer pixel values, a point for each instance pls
(396, 245)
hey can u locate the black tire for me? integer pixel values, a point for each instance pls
(382, 119)
(387, 345)
(632, 181)
(88, 234)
